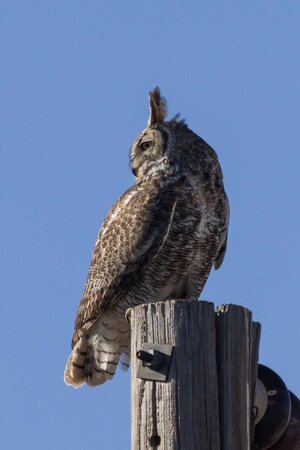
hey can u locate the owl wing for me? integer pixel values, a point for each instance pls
(224, 219)
(132, 234)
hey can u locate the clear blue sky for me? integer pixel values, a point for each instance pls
(75, 77)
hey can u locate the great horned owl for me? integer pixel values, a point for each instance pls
(158, 242)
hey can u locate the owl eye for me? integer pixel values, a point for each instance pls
(146, 144)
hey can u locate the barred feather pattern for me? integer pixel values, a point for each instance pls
(95, 356)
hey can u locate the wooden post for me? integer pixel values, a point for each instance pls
(191, 409)
(237, 357)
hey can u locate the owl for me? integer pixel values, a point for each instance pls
(159, 241)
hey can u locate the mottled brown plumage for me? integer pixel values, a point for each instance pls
(159, 241)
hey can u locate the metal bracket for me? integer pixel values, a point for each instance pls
(154, 361)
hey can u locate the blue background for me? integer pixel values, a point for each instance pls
(75, 77)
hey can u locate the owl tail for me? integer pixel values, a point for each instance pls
(94, 358)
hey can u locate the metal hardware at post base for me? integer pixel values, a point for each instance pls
(154, 361)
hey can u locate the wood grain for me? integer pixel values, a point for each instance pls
(205, 404)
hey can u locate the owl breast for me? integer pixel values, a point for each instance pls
(183, 264)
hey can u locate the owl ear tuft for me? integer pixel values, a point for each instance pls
(158, 107)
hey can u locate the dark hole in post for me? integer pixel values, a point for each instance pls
(154, 441)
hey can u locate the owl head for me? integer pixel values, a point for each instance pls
(166, 147)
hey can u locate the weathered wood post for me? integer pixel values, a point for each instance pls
(237, 359)
(200, 397)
